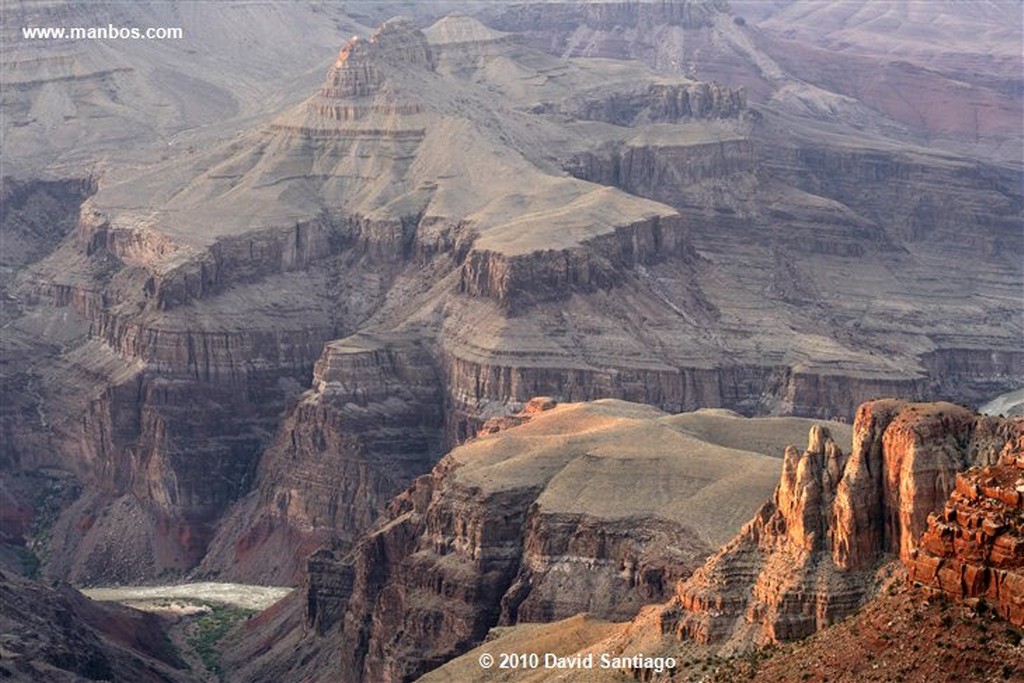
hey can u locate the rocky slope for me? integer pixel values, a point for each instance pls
(973, 548)
(527, 524)
(809, 556)
(902, 634)
(57, 634)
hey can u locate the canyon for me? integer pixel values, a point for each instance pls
(632, 224)
(526, 524)
(263, 299)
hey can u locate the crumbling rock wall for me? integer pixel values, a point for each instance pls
(973, 548)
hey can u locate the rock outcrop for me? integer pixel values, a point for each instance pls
(973, 548)
(808, 557)
(520, 280)
(659, 103)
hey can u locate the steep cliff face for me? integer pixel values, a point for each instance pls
(808, 557)
(525, 524)
(34, 217)
(519, 280)
(973, 548)
(371, 424)
(767, 576)
(662, 168)
(658, 103)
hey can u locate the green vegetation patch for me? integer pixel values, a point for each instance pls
(211, 628)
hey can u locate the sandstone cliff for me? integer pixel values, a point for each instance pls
(808, 557)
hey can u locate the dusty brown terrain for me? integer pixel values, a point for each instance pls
(901, 635)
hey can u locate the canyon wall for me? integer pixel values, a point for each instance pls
(517, 281)
(174, 333)
(371, 424)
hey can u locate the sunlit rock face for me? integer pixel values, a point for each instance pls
(973, 548)
(809, 556)
(530, 522)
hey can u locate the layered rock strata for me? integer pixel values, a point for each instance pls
(420, 194)
(808, 557)
(371, 425)
(973, 548)
(520, 280)
(531, 522)
(659, 103)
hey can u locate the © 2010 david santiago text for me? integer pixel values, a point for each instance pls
(547, 660)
